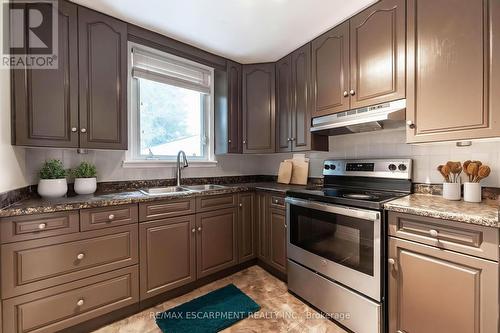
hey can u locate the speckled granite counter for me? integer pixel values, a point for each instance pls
(38, 205)
(486, 214)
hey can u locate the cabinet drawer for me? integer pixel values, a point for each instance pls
(163, 209)
(277, 201)
(98, 218)
(19, 228)
(38, 264)
(208, 203)
(461, 237)
(66, 305)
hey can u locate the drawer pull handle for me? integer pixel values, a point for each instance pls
(433, 233)
(80, 302)
(42, 226)
(276, 202)
(80, 256)
(323, 262)
(111, 217)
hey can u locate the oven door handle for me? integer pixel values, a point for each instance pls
(335, 209)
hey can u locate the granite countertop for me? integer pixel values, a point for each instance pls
(485, 213)
(39, 205)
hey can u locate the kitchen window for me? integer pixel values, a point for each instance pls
(171, 108)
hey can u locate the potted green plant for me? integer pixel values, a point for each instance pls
(52, 183)
(85, 178)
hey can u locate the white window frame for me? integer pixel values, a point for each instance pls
(132, 156)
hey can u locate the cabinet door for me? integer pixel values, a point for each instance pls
(262, 209)
(167, 250)
(378, 54)
(434, 290)
(277, 239)
(45, 101)
(235, 142)
(246, 227)
(216, 241)
(103, 80)
(284, 103)
(330, 71)
(453, 70)
(258, 108)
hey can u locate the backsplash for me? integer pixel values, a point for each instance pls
(388, 143)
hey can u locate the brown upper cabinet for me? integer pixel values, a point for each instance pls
(45, 102)
(258, 108)
(362, 61)
(82, 103)
(453, 70)
(293, 103)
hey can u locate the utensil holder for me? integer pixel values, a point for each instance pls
(451, 191)
(472, 192)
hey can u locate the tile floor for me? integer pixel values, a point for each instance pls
(280, 311)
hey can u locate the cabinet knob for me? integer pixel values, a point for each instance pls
(80, 256)
(346, 93)
(410, 124)
(74, 129)
(433, 233)
(199, 228)
(229, 141)
(292, 139)
(352, 92)
(80, 302)
(42, 226)
(244, 141)
(193, 230)
(241, 205)
(323, 262)
(276, 201)
(391, 261)
(83, 130)
(111, 217)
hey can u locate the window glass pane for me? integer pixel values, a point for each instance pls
(171, 119)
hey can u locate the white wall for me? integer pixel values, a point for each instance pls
(390, 143)
(12, 159)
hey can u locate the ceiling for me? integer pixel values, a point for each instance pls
(247, 31)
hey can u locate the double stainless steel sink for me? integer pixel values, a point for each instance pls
(180, 189)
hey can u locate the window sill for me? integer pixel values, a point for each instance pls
(165, 164)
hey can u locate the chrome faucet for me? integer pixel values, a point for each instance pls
(179, 167)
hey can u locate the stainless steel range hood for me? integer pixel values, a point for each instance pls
(371, 118)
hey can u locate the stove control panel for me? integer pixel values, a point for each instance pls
(383, 168)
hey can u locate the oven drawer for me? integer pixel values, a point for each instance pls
(350, 309)
(465, 238)
(98, 218)
(37, 264)
(56, 308)
(19, 228)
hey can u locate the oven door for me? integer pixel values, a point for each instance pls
(338, 242)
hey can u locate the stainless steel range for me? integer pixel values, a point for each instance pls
(336, 239)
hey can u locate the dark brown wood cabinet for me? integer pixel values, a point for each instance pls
(246, 227)
(453, 70)
(262, 208)
(102, 43)
(378, 54)
(277, 239)
(361, 62)
(82, 103)
(284, 104)
(167, 254)
(216, 241)
(330, 71)
(45, 102)
(259, 108)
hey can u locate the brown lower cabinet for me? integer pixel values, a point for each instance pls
(167, 254)
(246, 227)
(271, 229)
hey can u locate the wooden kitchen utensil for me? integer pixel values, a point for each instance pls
(472, 170)
(440, 169)
(285, 172)
(483, 172)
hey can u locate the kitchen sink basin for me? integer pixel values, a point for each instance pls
(206, 187)
(165, 190)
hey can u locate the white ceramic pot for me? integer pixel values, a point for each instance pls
(451, 191)
(472, 192)
(85, 185)
(52, 188)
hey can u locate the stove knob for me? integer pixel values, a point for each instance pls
(402, 167)
(333, 167)
(392, 167)
(327, 167)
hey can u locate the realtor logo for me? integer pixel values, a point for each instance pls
(29, 34)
